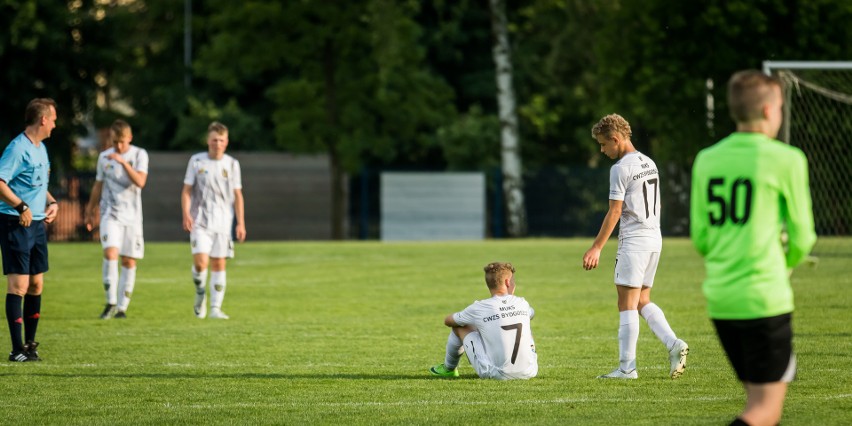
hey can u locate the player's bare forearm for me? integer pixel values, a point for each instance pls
(240, 215)
(91, 207)
(449, 321)
(185, 203)
(94, 198)
(608, 225)
(592, 256)
(51, 210)
(9, 197)
(239, 207)
(138, 178)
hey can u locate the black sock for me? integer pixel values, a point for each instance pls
(32, 312)
(13, 317)
(738, 422)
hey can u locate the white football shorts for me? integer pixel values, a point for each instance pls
(636, 268)
(213, 244)
(127, 238)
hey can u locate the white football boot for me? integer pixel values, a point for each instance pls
(618, 374)
(677, 358)
(217, 313)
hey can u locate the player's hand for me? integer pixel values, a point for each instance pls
(26, 218)
(116, 157)
(241, 233)
(591, 258)
(90, 223)
(187, 224)
(50, 213)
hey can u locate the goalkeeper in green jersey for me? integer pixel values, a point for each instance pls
(746, 189)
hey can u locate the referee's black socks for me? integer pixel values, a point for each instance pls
(32, 312)
(13, 317)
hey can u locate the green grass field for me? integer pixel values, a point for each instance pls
(330, 333)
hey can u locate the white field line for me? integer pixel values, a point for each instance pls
(556, 401)
(439, 402)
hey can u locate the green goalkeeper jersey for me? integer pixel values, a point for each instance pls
(745, 190)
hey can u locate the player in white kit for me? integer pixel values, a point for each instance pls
(634, 203)
(494, 333)
(121, 175)
(212, 197)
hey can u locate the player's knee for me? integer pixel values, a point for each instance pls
(200, 266)
(463, 331)
(217, 264)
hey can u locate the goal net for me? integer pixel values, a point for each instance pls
(818, 120)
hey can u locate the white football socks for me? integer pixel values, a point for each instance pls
(628, 335)
(455, 349)
(199, 277)
(657, 323)
(217, 289)
(110, 276)
(125, 287)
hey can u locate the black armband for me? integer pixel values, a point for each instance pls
(21, 208)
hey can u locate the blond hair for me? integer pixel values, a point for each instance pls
(748, 92)
(119, 127)
(217, 127)
(610, 125)
(497, 272)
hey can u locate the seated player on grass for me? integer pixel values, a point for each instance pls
(494, 333)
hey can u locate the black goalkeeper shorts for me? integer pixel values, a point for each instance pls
(760, 350)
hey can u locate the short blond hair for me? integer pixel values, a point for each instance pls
(217, 127)
(612, 124)
(119, 127)
(497, 272)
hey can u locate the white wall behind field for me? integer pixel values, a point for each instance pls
(433, 206)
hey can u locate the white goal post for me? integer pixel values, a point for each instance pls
(818, 120)
(768, 66)
(773, 67)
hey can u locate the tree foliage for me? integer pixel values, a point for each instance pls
(342, 77)
(56, 50)
(401, 83)
(656, 58)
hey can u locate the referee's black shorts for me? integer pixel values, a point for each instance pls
(24, 249)
(760, 350)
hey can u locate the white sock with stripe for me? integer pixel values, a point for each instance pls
(125, 287)
(217, 289)
(199, 278)
(110, 276)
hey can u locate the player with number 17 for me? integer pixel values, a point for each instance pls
(634, 203)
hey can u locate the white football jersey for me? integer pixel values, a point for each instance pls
(121, 200)
(503, 323)
(635, 180)
(213, 184)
